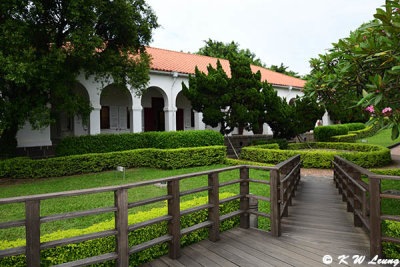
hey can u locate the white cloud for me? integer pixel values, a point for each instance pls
(288, 31)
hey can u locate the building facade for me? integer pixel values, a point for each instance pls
(162, 107)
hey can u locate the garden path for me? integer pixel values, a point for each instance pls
(317, 225)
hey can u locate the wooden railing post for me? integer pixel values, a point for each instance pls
(121, 225)
(358, 194)
(244, 200)
(32, 228)
(174, 225)
(213, 213)
(375, 217)
(275, 205)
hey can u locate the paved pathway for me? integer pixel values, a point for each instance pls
(318, 225)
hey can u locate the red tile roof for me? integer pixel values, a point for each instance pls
(167, 60)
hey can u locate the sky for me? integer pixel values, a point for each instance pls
(277, 31)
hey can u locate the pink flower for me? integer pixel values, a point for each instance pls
(386, 110)
(370, 109)
(397, 9)
(364, 37)
(377, 91)
(383, 31)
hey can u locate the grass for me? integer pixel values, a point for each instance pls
(383, 138)
(16, 211)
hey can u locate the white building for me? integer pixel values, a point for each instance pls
(161, 108)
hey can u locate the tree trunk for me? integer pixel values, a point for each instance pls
(240, 130)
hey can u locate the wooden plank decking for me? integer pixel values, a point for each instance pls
(318, 224)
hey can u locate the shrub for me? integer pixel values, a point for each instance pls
(102, 143)
(99, 246)
(283, 143)
(355, 134)
(96, 162)
(362, 154)
(368, 131)
(347, 138)
(355, 126)
(324, 133)
(391, 229)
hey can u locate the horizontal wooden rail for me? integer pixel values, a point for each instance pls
(121, 206)
(347, 177)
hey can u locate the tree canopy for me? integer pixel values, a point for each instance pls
(285, 70)
(45, 45)
(361, 73)
(213, 48)
(245, 102)
(234, 102)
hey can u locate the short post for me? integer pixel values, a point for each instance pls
(274, 204)
(213, 213)
(174, 225)
(121, 225)
(32, 228)
(253, 206)
(244, 200)
(375, 236)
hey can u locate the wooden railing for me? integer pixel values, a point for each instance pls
(364, 200)
(289, 170)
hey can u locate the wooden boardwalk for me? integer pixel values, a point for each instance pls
(318, 225)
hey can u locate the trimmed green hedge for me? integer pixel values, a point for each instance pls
(102, 143)
(99, 246)
(283, 143)
(324, 133)
(355, 126)
(97, 162)
(347, 138)
(235, 162)
(361, 154)
(353, 135)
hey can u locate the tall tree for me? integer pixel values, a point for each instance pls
(213, 48)
(45, 45)
(210, 94)
(234, 102)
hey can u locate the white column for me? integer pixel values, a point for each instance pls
(170, 119)
(94, 127)
(136, 119)
(198, 121)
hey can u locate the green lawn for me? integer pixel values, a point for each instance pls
(382, 138)
(12, 212)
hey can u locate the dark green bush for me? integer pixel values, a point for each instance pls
(355, 126)
(97, 162)
(102, 143)
(100, 246)
(283, 143)
(391, 229)
(324, 133)
(361, 154)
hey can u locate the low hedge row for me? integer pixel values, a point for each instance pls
(97, 162)
(324, 133)
(314, 155)
(346, 138)
(283, 143)
(352, 136)
(101, 143)
(355, 126)
(99, 246)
